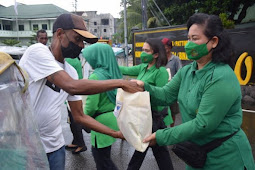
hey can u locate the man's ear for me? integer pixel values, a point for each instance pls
(59, 33)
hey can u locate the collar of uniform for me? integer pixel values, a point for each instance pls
(145, 65)
(151, 68)
(201, 72)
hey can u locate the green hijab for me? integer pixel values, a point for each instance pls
(102, 59)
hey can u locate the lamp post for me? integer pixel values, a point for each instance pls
(125, 31)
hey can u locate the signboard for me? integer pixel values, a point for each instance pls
(178, 35)
(243, 40)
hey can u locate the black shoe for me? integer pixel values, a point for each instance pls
(84, 148)
(67, 147)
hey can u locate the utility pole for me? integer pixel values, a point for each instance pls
(75, 6)
(144, 14)
(125, 31)
(17, 27)
(16, 12)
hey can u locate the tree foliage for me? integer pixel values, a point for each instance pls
(32, 40)
(178, 12)
(10, 42)
(226, 22)
(134, 18)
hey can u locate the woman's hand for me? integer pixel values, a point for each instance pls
(151, 139)
(139, 83)
(131, 86)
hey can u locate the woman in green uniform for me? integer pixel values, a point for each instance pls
(100, 106)
(209, 97)
(153, 72)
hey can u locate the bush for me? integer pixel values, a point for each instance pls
(228, 24)
(10, 42)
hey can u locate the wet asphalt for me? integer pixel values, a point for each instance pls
(121, 152)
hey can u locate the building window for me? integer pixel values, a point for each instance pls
(105, 30)
(7, 27)
(44, 26)
(95, 23)
(21, 27)
(95, 30)
(105, 21)
(35, 27)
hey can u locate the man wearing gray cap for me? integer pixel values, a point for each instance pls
(52, 81)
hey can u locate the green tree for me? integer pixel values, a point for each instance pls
(153, 22)
(226, 22)
(178, 11)
(32, 40)
(10, 42)
(134, 18)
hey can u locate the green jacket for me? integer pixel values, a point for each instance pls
(76, 63)
(100, 103)
(153, 76)
(210, 106)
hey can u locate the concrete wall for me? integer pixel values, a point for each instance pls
(95, 25)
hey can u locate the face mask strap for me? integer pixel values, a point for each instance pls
(207, 43)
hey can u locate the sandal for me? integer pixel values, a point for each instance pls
(77, 151)
(71, 147)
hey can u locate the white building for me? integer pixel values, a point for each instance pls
(101, 25)
(30, 18)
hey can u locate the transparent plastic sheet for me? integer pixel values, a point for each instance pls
(20, 145)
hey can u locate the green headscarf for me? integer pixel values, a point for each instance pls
(102, 59)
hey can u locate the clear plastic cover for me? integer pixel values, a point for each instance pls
(20, 144)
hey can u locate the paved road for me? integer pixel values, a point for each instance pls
(121, 153)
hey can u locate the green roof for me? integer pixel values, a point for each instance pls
(32, 11)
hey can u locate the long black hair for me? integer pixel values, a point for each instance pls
(223, 52)
(158, 47)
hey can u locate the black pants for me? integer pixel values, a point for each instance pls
(102, 157)
(160, 153)
(76, 130)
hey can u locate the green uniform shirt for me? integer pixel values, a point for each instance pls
(210, 106)
(76, 63)
(153, 76)
(100, 103)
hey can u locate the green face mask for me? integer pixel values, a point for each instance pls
(146, 58)
(196, 51)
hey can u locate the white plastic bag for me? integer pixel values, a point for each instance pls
(169, 74)
(133, 112)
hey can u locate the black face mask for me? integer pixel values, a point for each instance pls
(71, 51)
